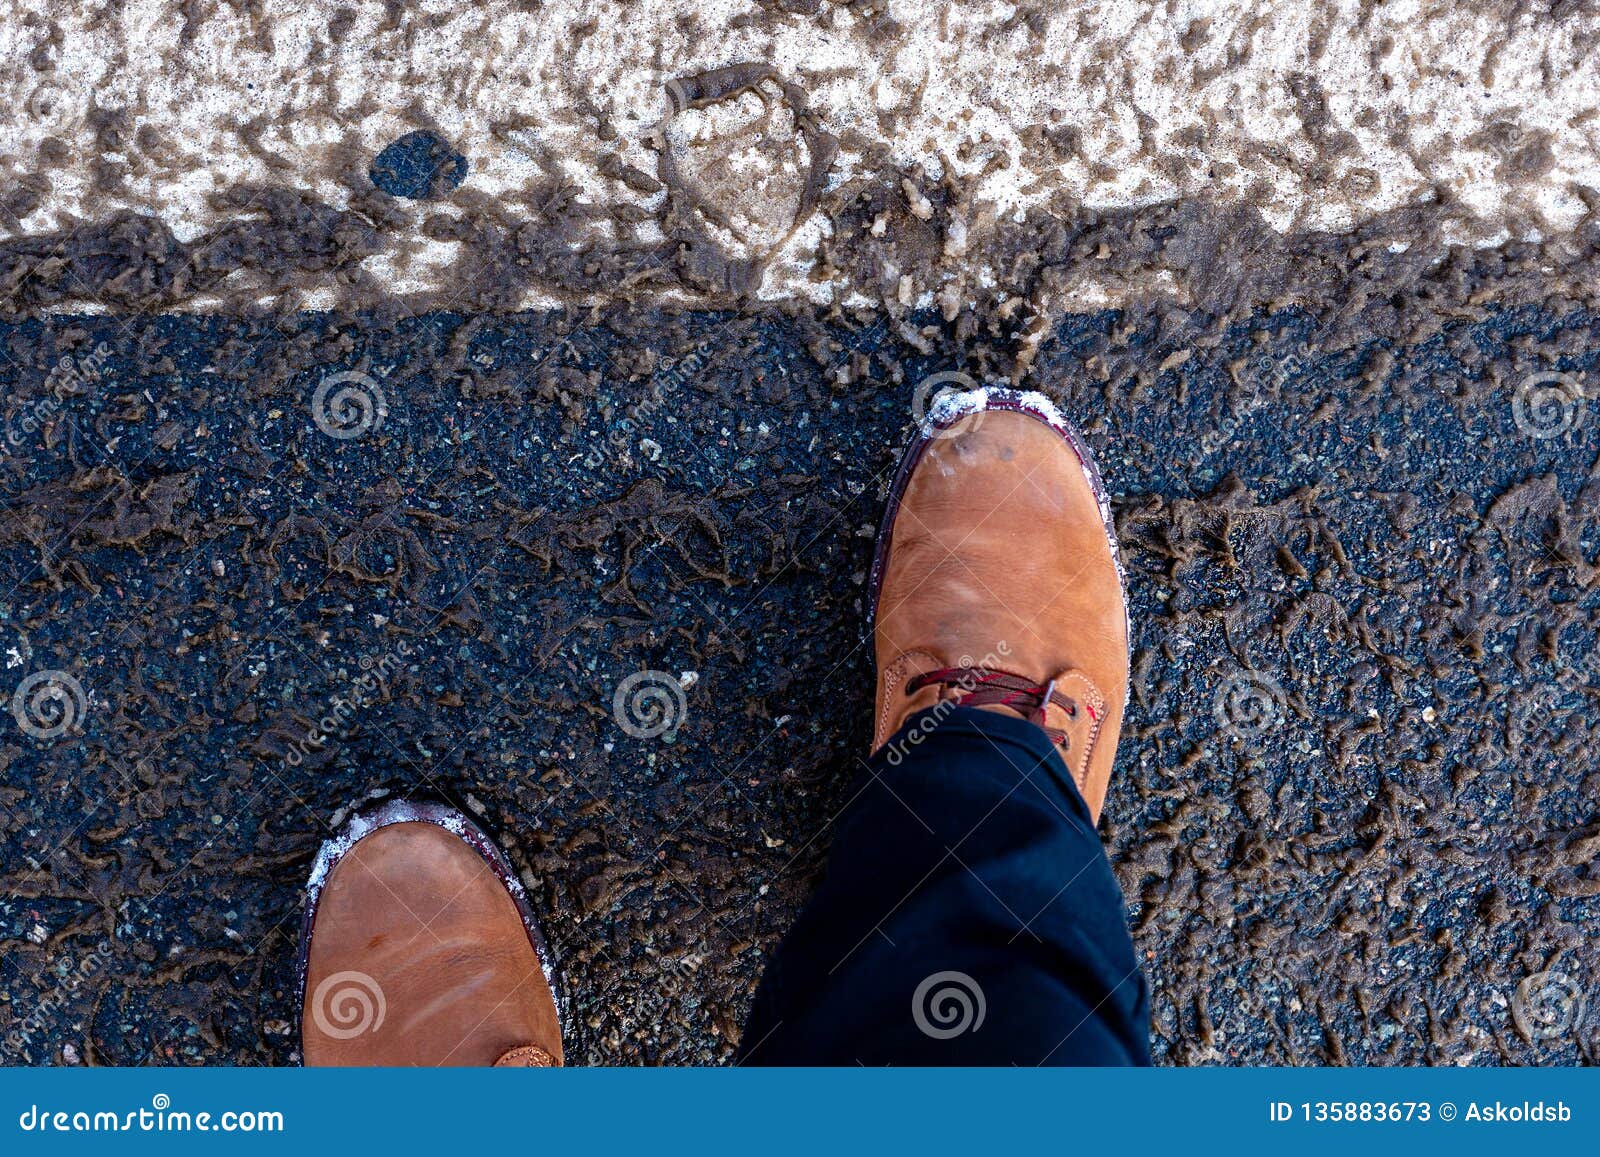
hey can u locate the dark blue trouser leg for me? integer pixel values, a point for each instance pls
(968, 917)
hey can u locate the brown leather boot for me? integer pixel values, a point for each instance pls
(418, 948)
(997, 582)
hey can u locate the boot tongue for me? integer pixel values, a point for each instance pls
(1055, 716)
(1079, 729)
(526, 1057)
(1010, 712)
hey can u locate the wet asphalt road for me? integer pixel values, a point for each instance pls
(1354, 813)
